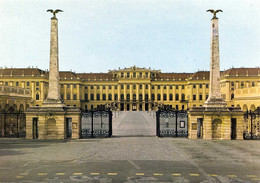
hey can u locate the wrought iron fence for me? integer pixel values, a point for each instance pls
(12, 124)
(96, 123)
(252, 124)
(171, 123)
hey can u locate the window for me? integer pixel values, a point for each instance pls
(146, 97)
(177, 107)
(194, 97)
(68, 96)
(86, 87)
(122, 86)
(171, 97)
(37, 84)
(176, 96)
(232, 83)
(128, 97)
(122, 97)
(122, 74)
(98, 96)
(68, 85)
(158, 96)
(27, 83)
(116, 87)
(207, 96)
(232, 96)
(128, 86)
(134, 97)
(242, 84)
(182, 86)
(146, 74)
(253, 83)
(164, 87)
(109, 96)
(74, 97)
(146, 86)
(74, 85)
(140, 75)
(134, 74)
(17, 83)
(194, 85)
(116, 97)
(200, 85)
(109, 87)
(86, 97)
(170, 86)
(183, 97)
(37, 97)
(92, 96)
(153, 97)
(177, 87)
(104, 96)
(134, 86)
(140, 97)
(182, 107)
(200, 97)
(128, 74)
(62, 96)
(6, 83)
(98, 87)
(152, 86)
(61, 85)
(164, 97)
(92, 87)
(207, 85)
(140, 86)
(104, 87)
(158, 87)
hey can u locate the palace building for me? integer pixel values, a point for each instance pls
(138, 89)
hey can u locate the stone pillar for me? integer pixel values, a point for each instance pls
(53, 96)
(214, 99)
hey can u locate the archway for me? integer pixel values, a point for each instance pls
(252, 108)
(244, 107)
(216, 128)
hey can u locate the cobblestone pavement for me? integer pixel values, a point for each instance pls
(131, 156)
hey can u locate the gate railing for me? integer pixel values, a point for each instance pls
(96, 123)
(171, 123)
(252, 124)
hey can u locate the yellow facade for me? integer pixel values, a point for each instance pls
(138, 88)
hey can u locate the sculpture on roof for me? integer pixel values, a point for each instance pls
(214, 12)
(54, 12)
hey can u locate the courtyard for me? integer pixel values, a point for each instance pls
(133, 154)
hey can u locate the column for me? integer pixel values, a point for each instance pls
(204, 92)
(54, 89)
(33, 90)
(78, 85)
(155, 93)
(167, 92)
(113, 93)
(71, 92)
(101, 93)
(42, 91)
(95, 92)
(65, 91)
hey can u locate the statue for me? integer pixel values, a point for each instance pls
(54, 12)
(214, 13)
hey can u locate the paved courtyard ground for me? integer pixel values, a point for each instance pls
(133, 155)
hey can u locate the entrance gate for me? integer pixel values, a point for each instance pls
(96, 123)
(171, 123)
(12, 123)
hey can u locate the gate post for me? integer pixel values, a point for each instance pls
(176, 123)
(110, 122)
(92, 123)
(158, 123)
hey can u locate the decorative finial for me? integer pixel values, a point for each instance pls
(214, 13)
(54, 12)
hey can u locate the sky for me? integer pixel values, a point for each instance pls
(102, 35)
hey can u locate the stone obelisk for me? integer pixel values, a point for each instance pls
(53, 97)
(214, 99)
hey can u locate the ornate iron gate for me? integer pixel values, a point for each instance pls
(12, 124)
(96, 124)
(252, 124)
(171, 123)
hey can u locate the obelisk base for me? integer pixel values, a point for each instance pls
(53, 122)
(215, 123)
